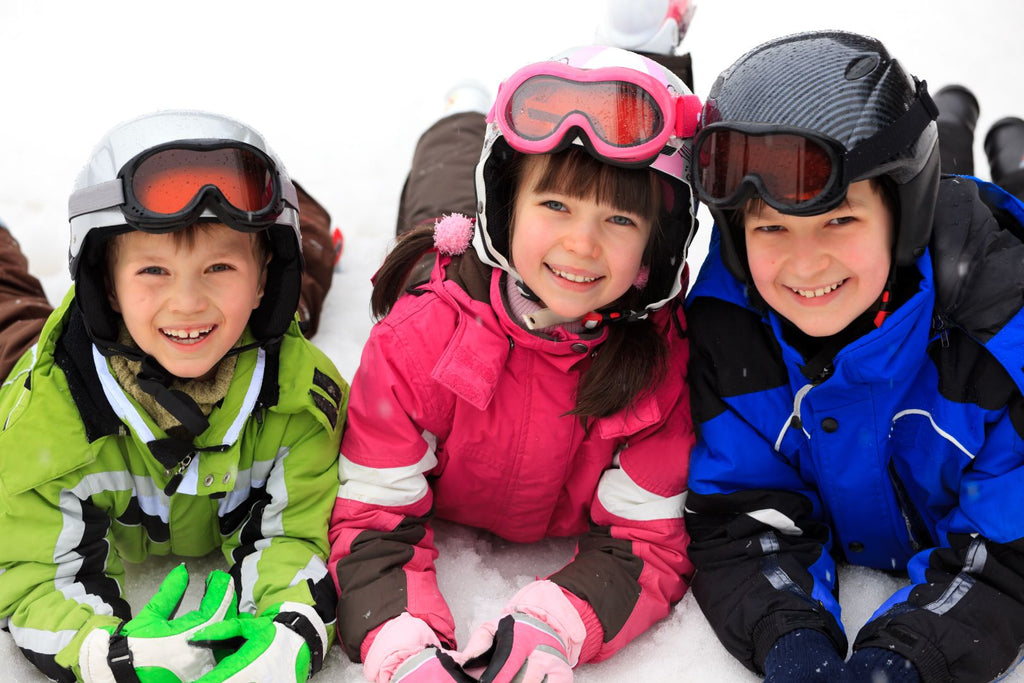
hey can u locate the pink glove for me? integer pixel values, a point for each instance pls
(398, 640)
(539, 640)
(431, 666)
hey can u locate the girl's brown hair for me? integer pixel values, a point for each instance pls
(632, 357)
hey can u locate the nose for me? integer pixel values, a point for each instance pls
(581, 237)
(187, 296)
(808, 255)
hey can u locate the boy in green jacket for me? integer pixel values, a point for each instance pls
(172, 405)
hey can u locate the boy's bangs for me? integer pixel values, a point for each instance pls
(187, 236)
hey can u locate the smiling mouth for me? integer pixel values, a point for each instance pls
(821, 291)
(571, 277)
(187, 336)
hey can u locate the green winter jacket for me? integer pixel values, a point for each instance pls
(80, 492)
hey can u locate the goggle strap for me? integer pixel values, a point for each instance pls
(108, 195)
(883, 145)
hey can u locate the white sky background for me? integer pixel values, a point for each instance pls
(342, 95)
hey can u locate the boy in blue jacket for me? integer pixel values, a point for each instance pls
(856, 372)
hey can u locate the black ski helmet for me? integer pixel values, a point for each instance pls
(847, 87)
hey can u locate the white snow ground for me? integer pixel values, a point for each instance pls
(342, 90)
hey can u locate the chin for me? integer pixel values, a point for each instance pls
(815, 328)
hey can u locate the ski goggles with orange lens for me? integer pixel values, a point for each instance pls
(172, 185)
(795, 171)
(626, 117)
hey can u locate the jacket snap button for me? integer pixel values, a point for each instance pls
(856, 546)
(227, 477)
(579, 347)
(209, 480)
(830, 424)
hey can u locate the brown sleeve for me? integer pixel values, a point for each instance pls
(440, 179)
(23, 304)
(318, 255)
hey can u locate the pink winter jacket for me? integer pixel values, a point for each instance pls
(458, 412)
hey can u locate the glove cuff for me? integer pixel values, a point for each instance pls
(303, 620)
(803, 655)
(395, 641)
(545, 600)
(873, 661)
(105, 658)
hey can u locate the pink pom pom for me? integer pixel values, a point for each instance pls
(452, 233)
(642, 276)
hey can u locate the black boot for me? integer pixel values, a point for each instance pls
(958, 115)
(1004, 147)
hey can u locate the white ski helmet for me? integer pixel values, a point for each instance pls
(211, 168)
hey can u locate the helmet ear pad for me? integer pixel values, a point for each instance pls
(917, 199)
(280, 300)
(500, 173)
(93, 288)
(668, 246)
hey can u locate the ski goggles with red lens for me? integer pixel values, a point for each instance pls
(172, 185)
(626, 117)
(795, 171)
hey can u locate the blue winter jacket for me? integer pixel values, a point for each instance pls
(906, 453)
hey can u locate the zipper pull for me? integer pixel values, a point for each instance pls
(825, 373)
(179, 474)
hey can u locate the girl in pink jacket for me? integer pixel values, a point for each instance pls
(531, 384)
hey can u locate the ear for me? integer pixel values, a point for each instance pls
(111, 293)
(261, 286)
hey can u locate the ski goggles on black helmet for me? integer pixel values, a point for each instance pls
(627, 117)
(172, 185)
(795, 171)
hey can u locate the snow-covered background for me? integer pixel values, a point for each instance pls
(342, 89)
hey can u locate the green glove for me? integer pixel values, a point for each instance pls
(154, 646)
(285, 643)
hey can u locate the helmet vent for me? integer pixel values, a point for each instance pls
(860, 67)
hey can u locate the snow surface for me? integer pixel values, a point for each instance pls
(342, 90)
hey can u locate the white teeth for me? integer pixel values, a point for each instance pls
(821, 291)
(571, 277)
(186, 334)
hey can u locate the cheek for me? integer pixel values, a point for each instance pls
(762, 263)
(874, 266)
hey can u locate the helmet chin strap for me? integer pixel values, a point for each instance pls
(154, 379)
(545, 317)
(539, 318)
(885, 300)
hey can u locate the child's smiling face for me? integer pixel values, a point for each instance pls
(186, 304)
(822, 272)
(575, 253)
